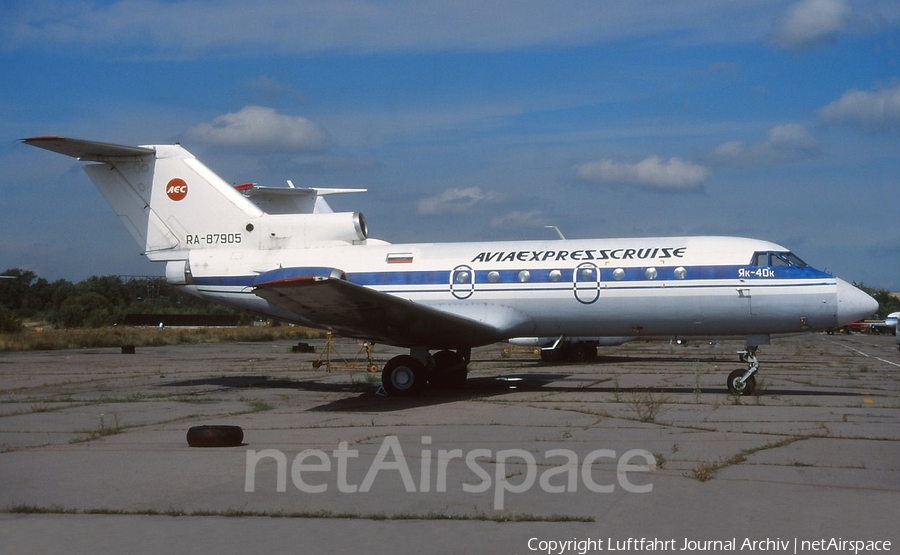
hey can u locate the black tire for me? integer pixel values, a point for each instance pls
(736, 386)
(552, 356)
(450, 370)
(404, 375)
(582, 352)
(215, 436)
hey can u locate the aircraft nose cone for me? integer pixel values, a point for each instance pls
(853, 304)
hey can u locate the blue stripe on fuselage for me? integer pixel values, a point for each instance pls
(750, 274)
(544, 275)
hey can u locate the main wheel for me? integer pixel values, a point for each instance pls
(404, 375)
(737, 385)
(582, 352)
(551, 356)
(450, 369)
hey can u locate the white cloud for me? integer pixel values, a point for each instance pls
(258, 126)
(671, 175)
(791, 135)
(810, 23)
(454, 201)
(188, 28)
(784, 143)
(519, 219)
(876, 111)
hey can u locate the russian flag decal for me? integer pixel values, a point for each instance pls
(400, 258)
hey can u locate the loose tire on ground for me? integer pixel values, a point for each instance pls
(215, 436)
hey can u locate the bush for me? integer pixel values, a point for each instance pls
(91, 310)
(9, 322)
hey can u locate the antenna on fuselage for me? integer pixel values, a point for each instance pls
(556, 229)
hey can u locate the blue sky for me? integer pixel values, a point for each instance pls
(468, 121)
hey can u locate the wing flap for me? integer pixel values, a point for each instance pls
(355, 311)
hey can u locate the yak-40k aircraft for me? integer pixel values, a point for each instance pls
(282, 252)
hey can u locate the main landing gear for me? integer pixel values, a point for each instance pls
(566, 351)
(743, 382)
(410, 374)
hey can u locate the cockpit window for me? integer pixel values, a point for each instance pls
(777, 260)
(794, 260)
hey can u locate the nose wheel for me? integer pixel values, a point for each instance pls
(743, 382)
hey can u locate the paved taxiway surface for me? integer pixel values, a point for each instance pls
(93, 456)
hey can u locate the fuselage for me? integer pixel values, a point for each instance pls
(218, 243)
(594, 287)
(287, 255)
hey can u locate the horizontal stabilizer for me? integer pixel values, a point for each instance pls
(91, 151)
(291, 200)
(252, 190)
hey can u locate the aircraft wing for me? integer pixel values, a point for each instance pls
(356, 311)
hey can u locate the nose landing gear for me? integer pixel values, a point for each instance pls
(743, 382)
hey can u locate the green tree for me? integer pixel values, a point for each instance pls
(91, 310)
(29, 296)
(97, 300)
(9, 322)
(14, 289)
(110, 287)
(887, 303)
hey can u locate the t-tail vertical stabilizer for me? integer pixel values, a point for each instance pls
(166, 198)
(172, 204)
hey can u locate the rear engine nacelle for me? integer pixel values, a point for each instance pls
(282, 231)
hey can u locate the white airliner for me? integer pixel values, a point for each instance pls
(282, 252)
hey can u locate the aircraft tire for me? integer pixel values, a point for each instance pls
(450, 370)
(552, 356)
(404, 375)
(582, 352)
(215, 436)
(737, 387)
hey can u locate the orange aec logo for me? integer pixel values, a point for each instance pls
(176, 189)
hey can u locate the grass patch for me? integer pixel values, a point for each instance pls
(47, 339)
(647, 404)
(22, 509)
(241, 513)
(258, 405)
(108, 427)
(706, 471)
